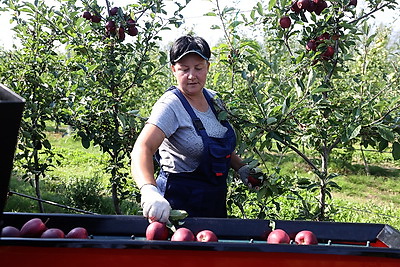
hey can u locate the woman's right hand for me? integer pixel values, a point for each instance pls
(155, 206)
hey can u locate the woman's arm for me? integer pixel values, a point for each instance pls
(145, 147)
(236, 161)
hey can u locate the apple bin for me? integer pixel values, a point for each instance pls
(120, 240)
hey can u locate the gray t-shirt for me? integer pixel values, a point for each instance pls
(182, 148)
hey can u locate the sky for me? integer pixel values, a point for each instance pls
(194, 19)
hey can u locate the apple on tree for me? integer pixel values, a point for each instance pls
(133, 31)
(353, 3)
(320, 6)
(121, 34)
(87, 15)
(311, 45)
(285, 22)
(295, 8)
(111, 27)
(114, 11)
(329, 52)
(303, 4)
(306, 237)
(96, 19)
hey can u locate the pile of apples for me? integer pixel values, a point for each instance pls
(117, 24)
(304, 237)
(36, 228)
(160, 231)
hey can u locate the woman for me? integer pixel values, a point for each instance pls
(193, 148)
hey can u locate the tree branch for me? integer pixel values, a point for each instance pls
(377, 8)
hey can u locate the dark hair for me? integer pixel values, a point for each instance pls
(189, 44)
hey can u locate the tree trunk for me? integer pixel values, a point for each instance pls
(366, 166)
(115, 198)
(37, 180)
(322, 177)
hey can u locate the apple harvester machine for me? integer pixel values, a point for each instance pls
(119, 240)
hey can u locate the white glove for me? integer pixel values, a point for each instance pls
(155, 206)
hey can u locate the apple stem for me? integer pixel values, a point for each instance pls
(171, 226)
(272, 225)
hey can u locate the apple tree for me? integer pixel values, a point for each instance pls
(33, 71)
(90, 66)
(113, 60)
(296, 87)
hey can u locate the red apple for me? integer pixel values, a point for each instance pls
(329, 52)
(311, 6)
(10, 231)
(278, 236)
(114, 11)
(320, 6)
(33, 228)
(285, 22)
(78, 232)
(295, 8)
(353, 3)
(157, 231)
(206, 236)
(311, 45)
(183, 234)
(121, 33)
(130, 22)
(110, 26)
(96, 19)
(53, 233)
(132, 31)
(306, 237)
(87, 15)
(253, 182)
(303, 4)
(325, 36)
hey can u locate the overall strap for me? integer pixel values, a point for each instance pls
(198, 125)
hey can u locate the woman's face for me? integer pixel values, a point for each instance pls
(191, 73)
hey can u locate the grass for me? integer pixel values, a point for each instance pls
(81, 182)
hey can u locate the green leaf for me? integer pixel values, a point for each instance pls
(85, 143)
(383, 144)
(271, 4)
(354, 132)
(286, 106)
(386, 133)
(260, 9)
(396, 151)
(46, 144)
(176, 215)
(320, 89)
(271, 120)
(311, 78)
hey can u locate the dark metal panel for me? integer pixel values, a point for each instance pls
(11, 107)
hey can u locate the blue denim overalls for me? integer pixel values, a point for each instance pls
(201, 193)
